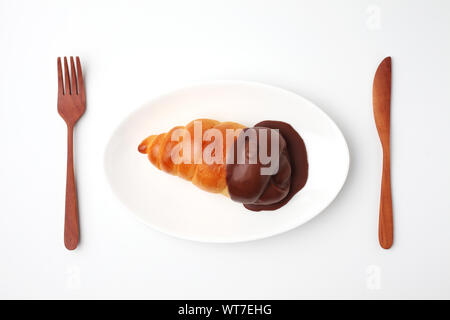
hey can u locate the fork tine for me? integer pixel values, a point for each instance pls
(60, 79)
(80, 78)
(73, 81)
(66, 76)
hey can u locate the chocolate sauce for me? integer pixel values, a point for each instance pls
(269, 192)
(245, 182)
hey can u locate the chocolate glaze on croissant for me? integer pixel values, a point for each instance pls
(298, 160)
(247, 185)
(242, 182)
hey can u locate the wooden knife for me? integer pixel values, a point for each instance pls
(382, 113)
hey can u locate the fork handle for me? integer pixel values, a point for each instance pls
(386, 226)
(71, 223)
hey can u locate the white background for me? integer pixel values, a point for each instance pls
(133, 51)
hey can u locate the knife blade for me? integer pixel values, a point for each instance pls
(382, 115)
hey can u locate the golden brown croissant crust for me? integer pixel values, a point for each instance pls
(209, 177)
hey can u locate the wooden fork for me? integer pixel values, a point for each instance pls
(71, 106)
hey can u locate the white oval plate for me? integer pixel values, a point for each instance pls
(176, 207)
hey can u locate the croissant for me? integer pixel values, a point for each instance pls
(242, 182)
(209, 177)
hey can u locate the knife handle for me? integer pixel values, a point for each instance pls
(386, 225)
